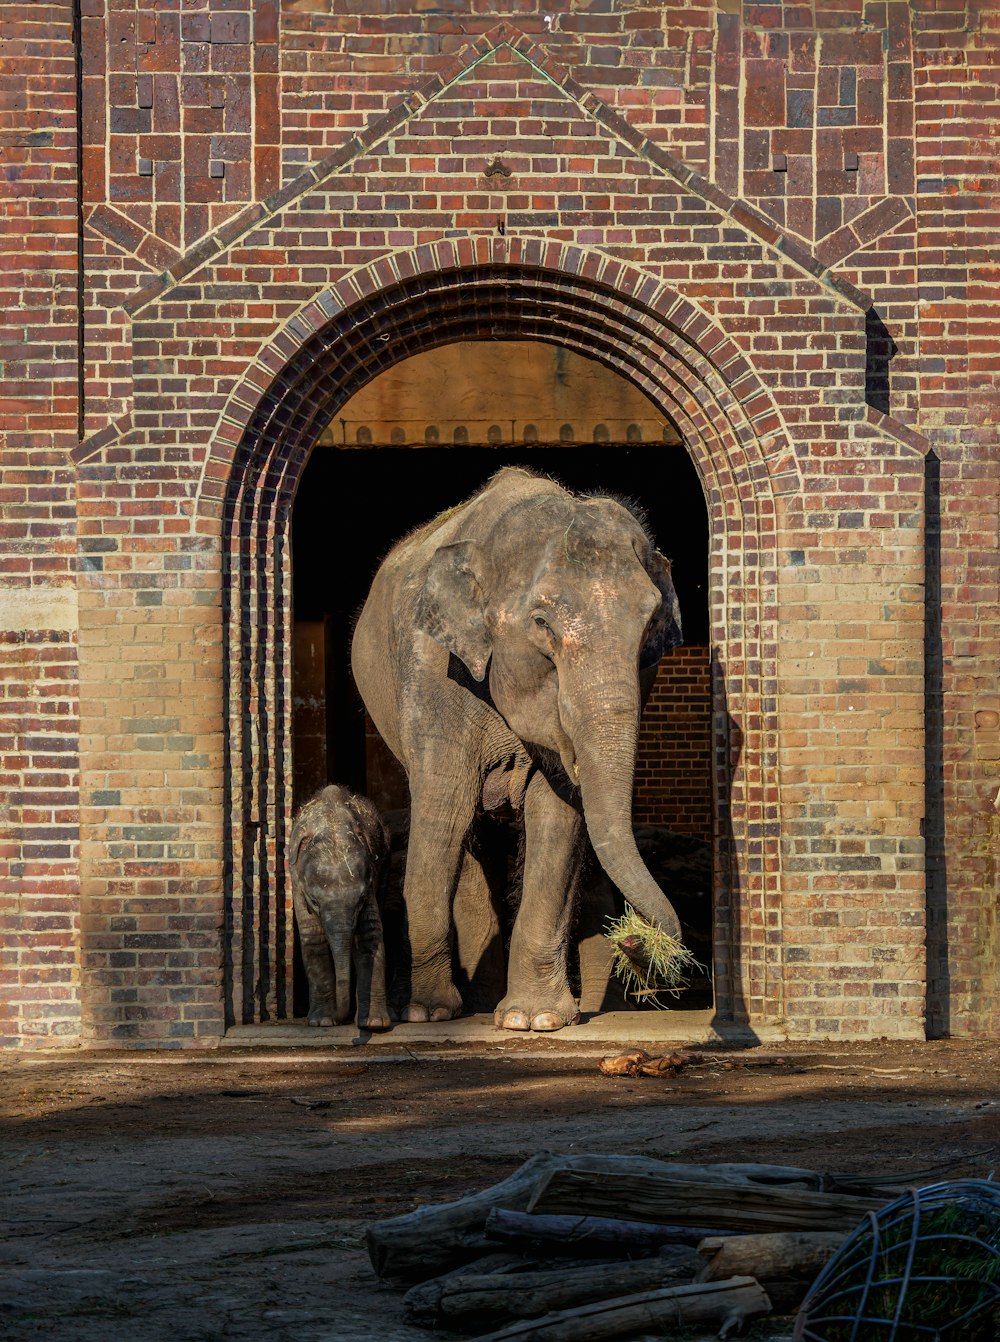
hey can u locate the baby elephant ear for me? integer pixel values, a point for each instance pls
(450, 607)
(665, 627)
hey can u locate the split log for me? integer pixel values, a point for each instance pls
(469, 1298)
(731, 1172)
(714, 1303)
(662, 1196)
(603, 1236)
(786, 1264)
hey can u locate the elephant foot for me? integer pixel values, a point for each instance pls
(417, 1013)
(378, 1021)
(321, 1016)
(541, 1019)
(438, 1005)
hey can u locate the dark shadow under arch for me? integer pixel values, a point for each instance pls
(386, 492)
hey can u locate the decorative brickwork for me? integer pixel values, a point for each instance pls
(775, 220)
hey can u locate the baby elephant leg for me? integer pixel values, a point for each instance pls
(373, 1012)
(318, 962)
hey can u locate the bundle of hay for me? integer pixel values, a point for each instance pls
(648, 961)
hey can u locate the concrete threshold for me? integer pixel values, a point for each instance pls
(645, 1029)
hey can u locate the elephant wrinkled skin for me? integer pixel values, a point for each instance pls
(338, 851)
(504, 653)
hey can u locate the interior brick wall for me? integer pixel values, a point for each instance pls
(777, 219)
(673, 771)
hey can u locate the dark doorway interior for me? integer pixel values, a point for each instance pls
(351, 507)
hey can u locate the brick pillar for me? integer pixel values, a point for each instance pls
(153, 837)
(39, 775)
(851, 765)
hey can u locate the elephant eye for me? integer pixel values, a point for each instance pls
(541, 623)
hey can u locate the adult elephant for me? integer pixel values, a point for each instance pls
(504, 654)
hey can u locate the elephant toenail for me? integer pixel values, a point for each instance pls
(441, 1013)
(415, 1014)
(516, 1020)
(547, 1020)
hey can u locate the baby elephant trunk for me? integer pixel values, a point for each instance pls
(338, 923)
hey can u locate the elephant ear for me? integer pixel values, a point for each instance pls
(665, 627)
(450, 606)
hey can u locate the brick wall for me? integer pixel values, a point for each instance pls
(673, 772)
(39, 711)
(152, 840)
(775, 219)
(956, 106)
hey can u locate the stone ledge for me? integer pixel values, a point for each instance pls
(635, 1028)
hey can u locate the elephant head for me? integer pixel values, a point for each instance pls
(565, 604)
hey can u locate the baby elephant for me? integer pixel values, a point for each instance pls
(338, 851)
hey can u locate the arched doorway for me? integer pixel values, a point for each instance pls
(420, 438)
(698, 380)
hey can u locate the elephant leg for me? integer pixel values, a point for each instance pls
(600, 990)
(373, 1011)
(478, 939)
(538, 991)
(318, 963)
(439, 821)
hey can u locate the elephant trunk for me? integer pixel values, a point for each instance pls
(340, 939)
(603, 724)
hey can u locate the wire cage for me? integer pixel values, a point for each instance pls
(924, 1268)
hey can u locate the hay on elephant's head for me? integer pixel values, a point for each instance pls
(647, 960)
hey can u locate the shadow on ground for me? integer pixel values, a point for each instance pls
(191, 1196)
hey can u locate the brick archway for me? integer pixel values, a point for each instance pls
(489, 290)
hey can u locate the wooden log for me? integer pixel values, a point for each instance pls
(743, 1171)
(795, 1255)
(470, 1298)
(723, 1173)
(423, 1301)
(433, 1239)
(785, 1264)
(662, 1196)
(880, 1187)
(714, 1303)
(602, 1236)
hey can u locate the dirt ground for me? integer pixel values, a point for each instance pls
(225, 1195)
